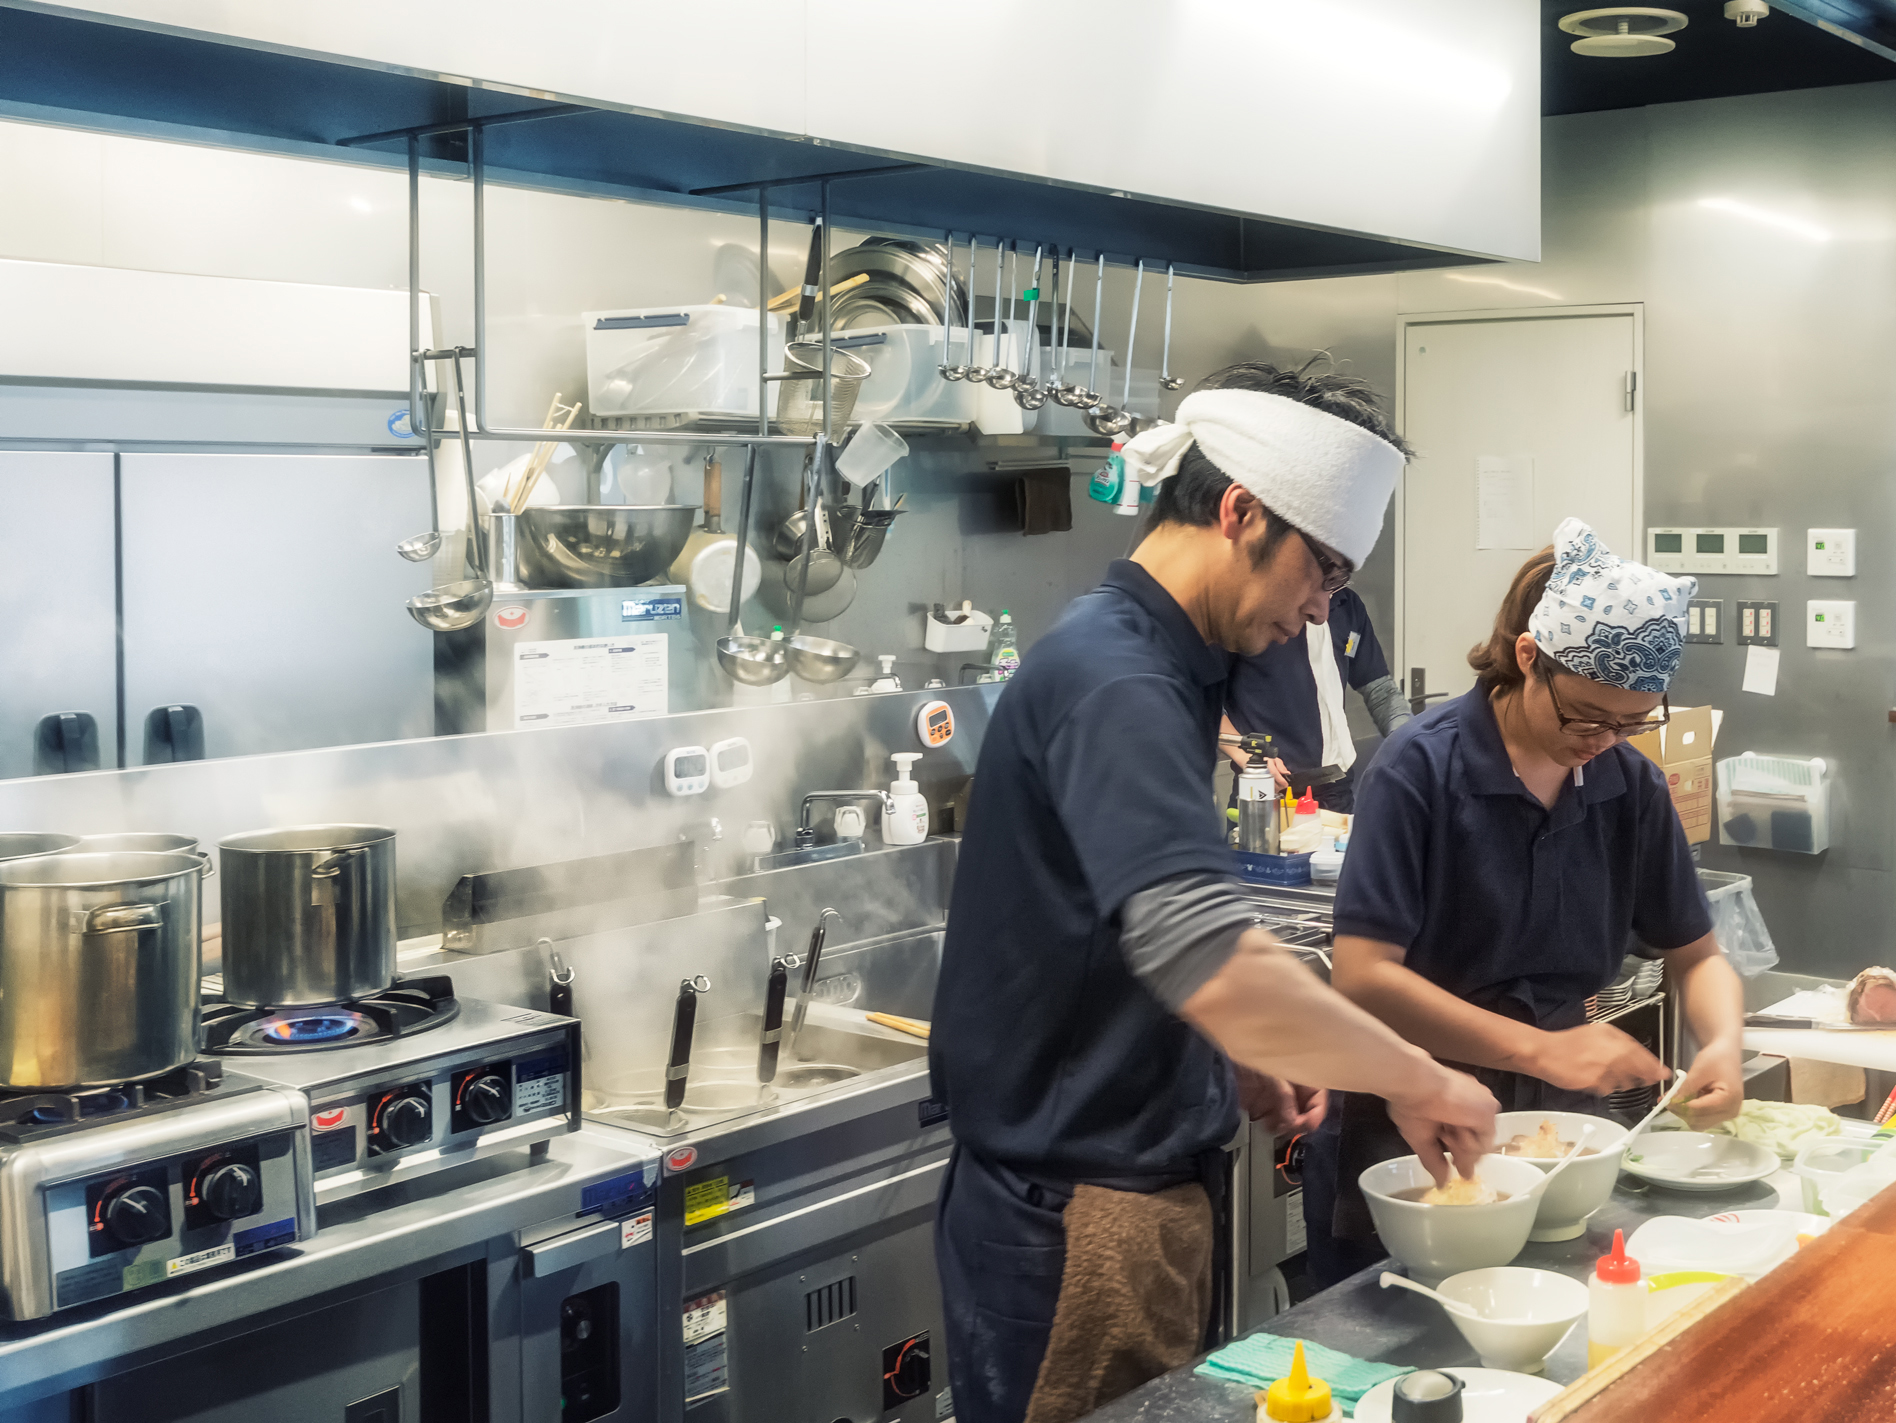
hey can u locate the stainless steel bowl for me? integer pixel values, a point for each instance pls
(452, 606)
(600, 545)
(821, 659)
(754, 661)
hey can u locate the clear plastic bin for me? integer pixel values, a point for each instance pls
(1774, 803)
(905, 386)
(1823, 1164)
(1740, 928)
(665, 364)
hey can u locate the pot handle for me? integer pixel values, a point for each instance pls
(204, 858)
(322, 879)
(124, 918)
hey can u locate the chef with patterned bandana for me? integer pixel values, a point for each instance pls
(1508, 846)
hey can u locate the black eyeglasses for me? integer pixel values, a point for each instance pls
(1336, 573)
(1579, 726)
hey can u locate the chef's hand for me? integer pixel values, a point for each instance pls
(1280, 773)
(1597, 1058)
(1285, 1107)
(1449, 1114)
(1714, 1089)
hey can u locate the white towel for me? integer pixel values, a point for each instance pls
(1338, 747)
(1329, 478)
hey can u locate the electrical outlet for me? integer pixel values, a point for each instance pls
(1705, 620)
(1830, 553)
(1757, 624)
(1830, 624)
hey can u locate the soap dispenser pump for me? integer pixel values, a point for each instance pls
(888, 681)
(905, 813)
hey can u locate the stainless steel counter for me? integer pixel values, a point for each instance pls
(364, 1244)
(1359, 1317)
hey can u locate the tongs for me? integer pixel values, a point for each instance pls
(812, 961)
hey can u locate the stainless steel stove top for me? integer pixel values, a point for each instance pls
(115, 1190)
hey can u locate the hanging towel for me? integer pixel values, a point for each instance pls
(1339, 749)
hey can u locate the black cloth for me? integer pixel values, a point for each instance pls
(1094, 782)
(1000, 1250)
(1276, 691)
(1494, 897)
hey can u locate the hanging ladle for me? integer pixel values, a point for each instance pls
(754, 661)
(459, 605)
(1025, 380)
(1064, 391)
(1104, 419)
(1168, 381)
(972, 372)
(948, 370)
(1000, 377)
(1090, 395)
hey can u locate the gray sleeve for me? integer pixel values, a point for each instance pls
(1388, 708)
(1179, 933)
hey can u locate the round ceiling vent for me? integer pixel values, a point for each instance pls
(1622, 31)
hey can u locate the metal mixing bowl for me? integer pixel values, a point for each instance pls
(821, 659)
(600, 545)
(452, 606)
(754, 661)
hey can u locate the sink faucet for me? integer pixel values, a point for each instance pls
(806, 836)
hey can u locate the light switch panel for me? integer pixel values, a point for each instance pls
(1830, 624)
(1705, 620)
(1830, 553)
(1756, 623)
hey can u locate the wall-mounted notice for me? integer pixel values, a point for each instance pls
(1761, 670)
(1504, 502)
(585, 679)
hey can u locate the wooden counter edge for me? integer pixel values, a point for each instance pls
(1596, 1381)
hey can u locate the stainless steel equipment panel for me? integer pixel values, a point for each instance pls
(264, 590)
(57, 581)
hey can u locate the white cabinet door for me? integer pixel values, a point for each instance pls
(1530, 410)
(265, 590)
(56, 599)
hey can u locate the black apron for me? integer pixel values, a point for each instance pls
(1370, 1137)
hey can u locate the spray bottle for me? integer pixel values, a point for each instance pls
(905, 816)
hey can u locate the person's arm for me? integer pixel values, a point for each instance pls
(1240, 759)
(1388, 708)
(1714, 999)
(1596, 1057)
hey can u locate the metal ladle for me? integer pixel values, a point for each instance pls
(421, 547)
(1104, 419)
(1000, 377)
(754, 661)
(1025, 380)
(972, 372)
(1064, 391)
(1168, 381)
(948, 370)
(1090, 394)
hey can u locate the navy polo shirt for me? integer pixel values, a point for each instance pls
(1276, 691)
(1494, 897)
(1094, 783)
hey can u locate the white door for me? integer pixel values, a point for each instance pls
(1519, 419)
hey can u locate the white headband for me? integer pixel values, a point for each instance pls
(1328, 477)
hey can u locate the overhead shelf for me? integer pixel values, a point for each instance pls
(123, 78)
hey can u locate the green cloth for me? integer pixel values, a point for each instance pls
(1258, 1360)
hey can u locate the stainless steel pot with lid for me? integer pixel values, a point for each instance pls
(309, 914)
(98, 968)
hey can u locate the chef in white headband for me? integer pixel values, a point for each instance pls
(1507, 847)
(1101, 971)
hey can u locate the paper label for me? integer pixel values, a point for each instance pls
(540, 1083)
(1296, 1238)
(635, 1231)
(706, 1367)
(1761, 670)
(577, 681)
(1504, 502)
(707, 1200)
(201, 1260)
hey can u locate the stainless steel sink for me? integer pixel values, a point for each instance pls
(862, 1051)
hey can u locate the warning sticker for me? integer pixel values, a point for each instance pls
(1296, 1239)
(707, 1200)
(635, 1231)
(707, 1368)
(201, 1260)
(575, 681)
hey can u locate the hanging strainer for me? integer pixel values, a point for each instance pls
(800, 402)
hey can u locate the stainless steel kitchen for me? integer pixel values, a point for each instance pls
(672, 910)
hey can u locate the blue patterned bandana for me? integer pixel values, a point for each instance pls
(1617, 623)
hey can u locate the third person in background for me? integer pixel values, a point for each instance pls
(1508, 849)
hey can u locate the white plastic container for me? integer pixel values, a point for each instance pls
(1774, 803)
(905, 822)
(668, 364)
(1822, 1164)
(969, 636)
(905, 385)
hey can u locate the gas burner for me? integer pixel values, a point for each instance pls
(23, 1114)
(410, 1007)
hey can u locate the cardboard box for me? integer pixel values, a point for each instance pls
(1683, 750)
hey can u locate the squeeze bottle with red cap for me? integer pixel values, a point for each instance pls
(1616, 1304)
(1306, 826)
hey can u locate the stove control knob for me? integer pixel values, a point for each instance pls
(487, 1099)
(406, 1119)
(230, 1192)
(137, 1215)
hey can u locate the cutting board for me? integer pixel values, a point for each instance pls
(1871, 1050)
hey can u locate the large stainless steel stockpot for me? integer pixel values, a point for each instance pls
(98, 968)
(309, 914)
(155, 841)
(19, 844)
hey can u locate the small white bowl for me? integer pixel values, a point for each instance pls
(1434, 1241)
(1526, 1313)
(1698, 1161)
(1583, 1187)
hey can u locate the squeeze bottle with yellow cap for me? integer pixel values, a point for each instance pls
(1616, 1304)
(1297, 1398)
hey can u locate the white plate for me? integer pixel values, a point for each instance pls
(1488, 1396)
(1698, 1161)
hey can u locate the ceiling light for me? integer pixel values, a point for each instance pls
(1622, 31)
(361, 205)
(1746, 13)
(1783, 222)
